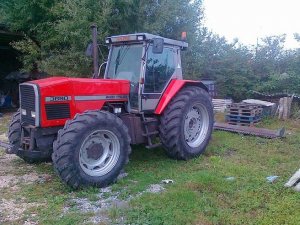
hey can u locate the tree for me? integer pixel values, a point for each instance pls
(58, 31)
(268, 55)
(277, 67)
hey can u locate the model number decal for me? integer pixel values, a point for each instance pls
(58, 98)
(100, 97)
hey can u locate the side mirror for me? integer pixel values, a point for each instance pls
(158, 45)
(89, 50)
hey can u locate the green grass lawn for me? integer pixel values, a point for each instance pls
(200, 193)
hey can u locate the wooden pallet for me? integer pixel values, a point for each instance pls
(220, 105)
(245, 112)
(242, 118)
(243, 106)
(248, 124)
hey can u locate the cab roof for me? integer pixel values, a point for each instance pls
(143, 37)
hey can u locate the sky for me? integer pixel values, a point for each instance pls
(249, 20)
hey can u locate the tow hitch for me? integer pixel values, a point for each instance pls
(8, 147)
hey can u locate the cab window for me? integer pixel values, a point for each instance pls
(159, 69)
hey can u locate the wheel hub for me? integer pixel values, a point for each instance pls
(95, 151)
(196, 125)
(192, 124)
(99, 153)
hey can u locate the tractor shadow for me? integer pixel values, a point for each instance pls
(141, 154)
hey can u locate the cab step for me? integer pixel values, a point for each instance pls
(148, 120)
(150, 133)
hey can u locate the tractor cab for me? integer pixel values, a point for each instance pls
(148, 61)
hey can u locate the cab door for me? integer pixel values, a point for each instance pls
(158, 72)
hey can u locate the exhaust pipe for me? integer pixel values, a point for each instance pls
(95, 50)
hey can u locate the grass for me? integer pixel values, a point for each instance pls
(200, 193)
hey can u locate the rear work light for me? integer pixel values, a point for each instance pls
(125, 38)
(140, 37)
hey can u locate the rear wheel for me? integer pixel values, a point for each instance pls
(91, 149)
(186, 124)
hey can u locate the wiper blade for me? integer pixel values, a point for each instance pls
(146, 50)
(120, 57)
(117, 63)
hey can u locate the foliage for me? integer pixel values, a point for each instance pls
(278, 68)
(295, 111)
(58, 31)
(61, 29)
(227, 63)
(281, 83)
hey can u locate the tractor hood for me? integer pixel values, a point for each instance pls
(56, 99)
(82, 86)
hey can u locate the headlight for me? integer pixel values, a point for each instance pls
(32, 114)
(23, 112)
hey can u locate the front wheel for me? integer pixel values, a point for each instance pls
(91, 149)
(187, 123)
(14, 137)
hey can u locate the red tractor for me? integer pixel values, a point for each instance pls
(87, 125)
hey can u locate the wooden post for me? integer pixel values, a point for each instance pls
(284, 108)
(290, 100)
(280, 108)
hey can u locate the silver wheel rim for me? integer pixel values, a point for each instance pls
(196, 125)
(99, 153)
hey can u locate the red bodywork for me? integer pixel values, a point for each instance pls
(89, 94)
(173, 88)
(85, 88)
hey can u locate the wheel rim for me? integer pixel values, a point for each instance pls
(99, 153)
(196, 125)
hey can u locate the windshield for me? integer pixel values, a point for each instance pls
(125, 62)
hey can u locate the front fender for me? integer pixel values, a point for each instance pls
(173, 88)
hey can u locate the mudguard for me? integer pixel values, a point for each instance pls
(173, 88)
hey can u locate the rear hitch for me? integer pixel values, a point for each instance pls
(9, 149)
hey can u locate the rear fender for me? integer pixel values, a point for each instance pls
(173, 88)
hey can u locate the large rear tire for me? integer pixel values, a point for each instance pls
(91, 150)
(187, 123)
(14, 137)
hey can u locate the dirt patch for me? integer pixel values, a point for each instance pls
(230, 152)
(12, 210)
(8, 178)
(6, 163)
(155, 188)
(107, 199)
(3, 137)
(11, 180)
(14, 174)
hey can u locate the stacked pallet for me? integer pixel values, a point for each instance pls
(243, 114)
(220, 105)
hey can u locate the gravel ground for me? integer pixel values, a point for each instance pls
(17, 208)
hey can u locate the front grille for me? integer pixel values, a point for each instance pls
(27, 97)
(57, 111)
